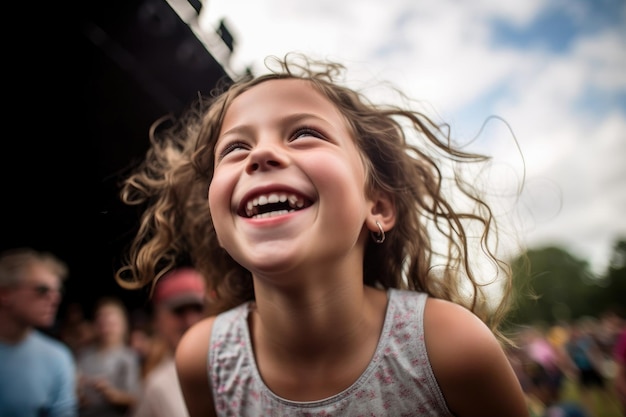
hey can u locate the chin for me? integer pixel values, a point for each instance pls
(272, 265)
(45, 321)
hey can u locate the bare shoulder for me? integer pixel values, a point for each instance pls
(192, 368)
(450, 329)
(195, 342)
(469, 363)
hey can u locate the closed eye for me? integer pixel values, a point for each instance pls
(231, 147)
(305, 132)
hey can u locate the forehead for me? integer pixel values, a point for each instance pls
(110, 310)
(39, 273)
(274, 97)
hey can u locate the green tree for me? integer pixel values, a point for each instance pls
(614, 282)
(552, 285)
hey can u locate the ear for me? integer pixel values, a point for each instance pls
(383, 211)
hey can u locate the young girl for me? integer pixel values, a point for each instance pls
(313, 214)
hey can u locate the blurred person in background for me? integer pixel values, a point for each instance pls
(37, 372)
(144, 340)
(539, 349)
(75, 330)
(558, 335)
(586, 354)
(109, 369)
(607, 331)
(542, 399)
(619, 355)
(178, 302)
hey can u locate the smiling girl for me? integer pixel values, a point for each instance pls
(313, 217)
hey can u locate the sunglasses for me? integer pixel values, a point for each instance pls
(188, 308)
(43, 290)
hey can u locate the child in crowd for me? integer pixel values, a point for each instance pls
(109, 369)
(317, 218)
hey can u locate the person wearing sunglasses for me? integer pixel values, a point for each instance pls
(37, 371)
(178, 302)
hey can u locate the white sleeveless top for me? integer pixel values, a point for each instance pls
(398, 381)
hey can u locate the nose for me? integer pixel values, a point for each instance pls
(51, 293)
(266, 157)
(55, 297)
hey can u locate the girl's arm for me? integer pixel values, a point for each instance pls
(473, 371)
(191, 366)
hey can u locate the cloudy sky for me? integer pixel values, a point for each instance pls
(554, 70)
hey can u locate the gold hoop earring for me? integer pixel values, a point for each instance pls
(380, 236)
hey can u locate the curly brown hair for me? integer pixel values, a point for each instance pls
(402, 150)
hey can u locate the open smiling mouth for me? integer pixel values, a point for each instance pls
(274, 204)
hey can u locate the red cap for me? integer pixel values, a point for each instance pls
(179, 287)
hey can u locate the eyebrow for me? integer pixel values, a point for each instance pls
(291, 118)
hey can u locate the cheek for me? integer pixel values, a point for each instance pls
(217, 193)
(219, 196)
(345, 186)
(344, 178)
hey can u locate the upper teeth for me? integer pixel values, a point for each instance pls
(261, 200)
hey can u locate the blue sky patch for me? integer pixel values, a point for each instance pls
(560, 24)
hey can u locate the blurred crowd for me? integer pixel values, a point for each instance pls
(567, 370)
(102, 360)
(573, 369)
(125, 357)
(108, 361)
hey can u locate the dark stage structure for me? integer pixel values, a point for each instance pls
(92, 78)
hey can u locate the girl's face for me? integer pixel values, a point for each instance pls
(288, 186)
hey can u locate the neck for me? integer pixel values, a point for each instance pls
(315, 324)
(299, 343)
(109, 344)
(11, 331)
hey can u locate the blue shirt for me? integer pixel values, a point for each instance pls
(37, 378)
